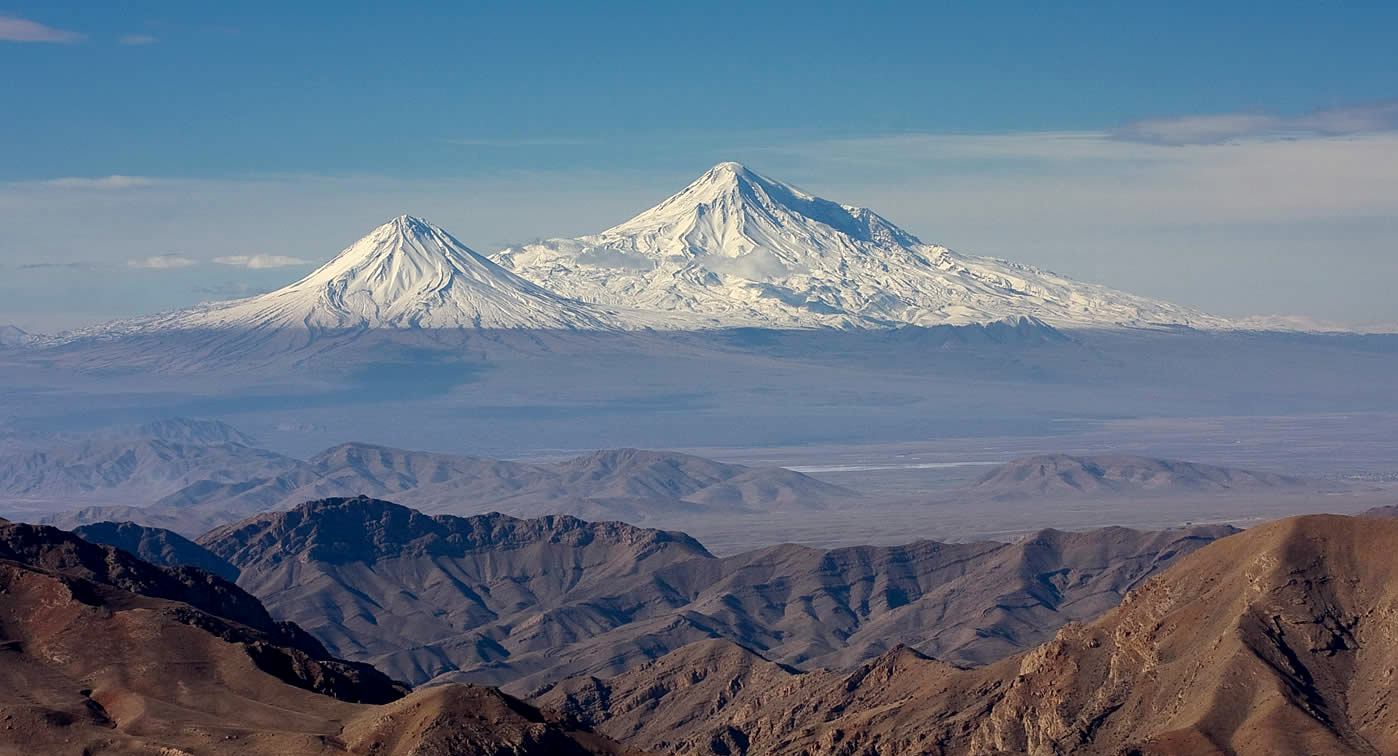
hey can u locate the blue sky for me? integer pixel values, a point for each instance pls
(1241, 160)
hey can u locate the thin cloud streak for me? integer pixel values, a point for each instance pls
(1217, 129)
(1095, 178)
(160, 262)
(14, 29)
(137, 40)
(260, 262)
(113, 182)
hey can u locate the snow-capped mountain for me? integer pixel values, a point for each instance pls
(406, 273)
(738, 248)
(732, 249)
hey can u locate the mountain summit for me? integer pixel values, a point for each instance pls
(731, 211)
(407, 273)
(738, 248)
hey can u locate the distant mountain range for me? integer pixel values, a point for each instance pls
(127, 470)
(207, 476)
(1063, 475)
(191, 488)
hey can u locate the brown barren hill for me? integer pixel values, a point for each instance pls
(102, 652)
(1278, 640)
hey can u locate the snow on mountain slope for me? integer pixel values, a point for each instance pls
(738, 248)
(406, 273)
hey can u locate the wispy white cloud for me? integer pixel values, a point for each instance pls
(14, 29)
(258, 262)
(160, 262)
(56, 266)
(98, 182)
(1215, 129)
(1356, 119)
(137, 39)
(1201, 129)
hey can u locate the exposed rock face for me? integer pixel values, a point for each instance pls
(1050, 475)
(1275, 640)
(158, 546)
(522, 603)
(100, 651)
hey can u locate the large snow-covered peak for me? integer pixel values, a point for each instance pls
(735, 247)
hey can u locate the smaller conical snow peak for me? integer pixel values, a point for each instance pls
(406, 273)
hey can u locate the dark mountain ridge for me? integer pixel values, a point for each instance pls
(164, 548)
(497, 600)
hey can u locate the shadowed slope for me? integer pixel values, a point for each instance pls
(158, 546)
(381, 582)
